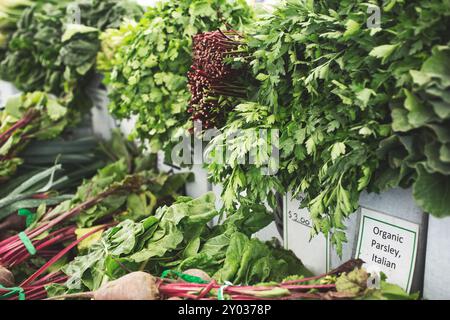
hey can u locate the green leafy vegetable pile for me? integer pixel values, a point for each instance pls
(149, 75)
(50, 186)
(419, 150)
(54, 52)
(52, 170)
(10, 13)
(178, 237)
(344, 97)
(115, 193)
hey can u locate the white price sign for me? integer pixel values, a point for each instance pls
(314, 253)
(388, 244)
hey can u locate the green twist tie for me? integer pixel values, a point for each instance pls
(185, 277)
(30, 216)
(13, 291)
(27, 243)
(220, 295)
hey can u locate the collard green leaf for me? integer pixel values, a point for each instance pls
(431, 192)
(238, 244)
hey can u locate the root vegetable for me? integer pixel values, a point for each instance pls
(6, 278)
(133, 286)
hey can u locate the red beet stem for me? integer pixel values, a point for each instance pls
(18, 125)
(14, 241)
(61, 254)
(18, 255)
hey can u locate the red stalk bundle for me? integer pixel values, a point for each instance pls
(210, 291)
(20, 254)
(13, 250)
(287, 290)
(211, 79)
(36, 290)
(33, 287)
(140, 285)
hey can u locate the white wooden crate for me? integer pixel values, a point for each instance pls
(316, 253)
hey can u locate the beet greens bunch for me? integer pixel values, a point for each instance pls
(33, 116)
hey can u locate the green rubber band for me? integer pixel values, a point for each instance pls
(220, 295)
(27, 243)
(30, 216)
(185, 277)
(13, 291)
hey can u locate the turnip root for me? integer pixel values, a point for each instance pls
(197, 273)
(6, 278)
(133, 286)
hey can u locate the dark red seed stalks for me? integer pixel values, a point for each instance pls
(212, 81)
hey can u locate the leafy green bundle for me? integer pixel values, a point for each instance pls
(419, 151)
(111, 41)
(329, 83)
(149, 78)
(52, 51)
(39, 181)
(10, 13)
(116, 192)
(342, 283)
(26, 117)
(107, 14)
(177, 237)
